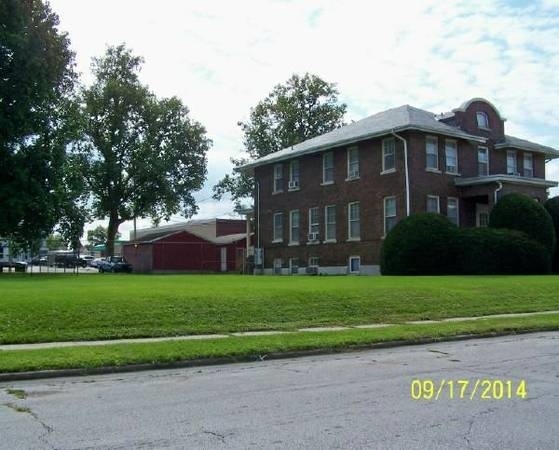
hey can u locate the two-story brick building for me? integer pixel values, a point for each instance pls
(325, 205)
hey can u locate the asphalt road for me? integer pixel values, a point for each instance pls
(354, 400)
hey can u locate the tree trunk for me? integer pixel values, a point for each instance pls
(112, 230)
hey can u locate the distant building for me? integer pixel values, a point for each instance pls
(214, 245)
(325, 205)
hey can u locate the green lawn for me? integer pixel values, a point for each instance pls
(42, 308)
(258, 347)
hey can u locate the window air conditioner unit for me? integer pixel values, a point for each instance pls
(293, 184)
(313, 237)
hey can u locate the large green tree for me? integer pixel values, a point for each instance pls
(146, 155)
(98, 235)
(300, 109)
(36, 85)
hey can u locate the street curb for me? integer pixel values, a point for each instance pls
(58, 373)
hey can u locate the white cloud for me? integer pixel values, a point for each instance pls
(221, 58)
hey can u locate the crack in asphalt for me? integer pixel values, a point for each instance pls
(471, 424)
(217, 435)
(46, 429)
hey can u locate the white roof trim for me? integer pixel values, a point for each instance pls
(473, 181)
(464, 106)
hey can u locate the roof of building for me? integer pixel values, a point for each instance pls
(523, 144)
(405, 117)
(204, 229)
(513, 179)
(398, 119)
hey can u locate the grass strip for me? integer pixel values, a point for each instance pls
(46, 308)
(247, 347)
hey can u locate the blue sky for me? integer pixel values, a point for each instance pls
(222, 57)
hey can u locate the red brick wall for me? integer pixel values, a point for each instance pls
(370, 190)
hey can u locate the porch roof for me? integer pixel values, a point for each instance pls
(512, 179)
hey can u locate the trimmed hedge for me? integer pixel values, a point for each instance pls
(419, 245)
(552, 207)
(499, 251)
(522, 213)
(429, 244)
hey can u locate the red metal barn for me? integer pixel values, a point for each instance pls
(217, 245)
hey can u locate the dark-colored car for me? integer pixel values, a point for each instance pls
(114, 264)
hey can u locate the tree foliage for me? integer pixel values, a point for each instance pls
(419, 245)
(36, 86)
(499, 251)
(56, 242)
(552, 207)
(300, 109)
(97, 236)
(146, 155)
(522, 213)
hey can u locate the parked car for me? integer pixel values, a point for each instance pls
(114, 264)
(66, 260)
(39, 261)
(95, 262)
(86, 260)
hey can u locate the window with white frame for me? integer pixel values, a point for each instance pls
(482, 120)
(314, 225)
(294, 175)
(388, 155)
(328, 168)
(314, 261)
(353, 226)
(528, 165)
(389, 214)
(352, 163)
(511, 163)
(278, 178)
(433, 204)
(330, 223)
(482, 161)
(354, 264)
(432, 152)
(452, 209)
(451, 156)
(294, 226)
(278, 227)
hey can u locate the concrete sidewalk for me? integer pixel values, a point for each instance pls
(44, 345)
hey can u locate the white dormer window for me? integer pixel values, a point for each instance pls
(352, 163)
(482, 120)
(294, 175)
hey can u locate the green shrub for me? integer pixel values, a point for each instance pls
(499, 251)
(552, 207)
(520, 212)
(419, 245)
